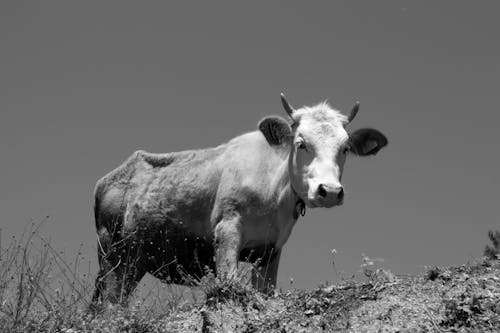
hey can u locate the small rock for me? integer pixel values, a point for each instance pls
(309, 312)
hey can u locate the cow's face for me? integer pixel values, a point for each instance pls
(319, 148)
(319, 144)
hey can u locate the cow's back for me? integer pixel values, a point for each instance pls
(160, 183)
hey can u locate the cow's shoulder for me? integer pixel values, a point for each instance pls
(250, 176)
(256, 144)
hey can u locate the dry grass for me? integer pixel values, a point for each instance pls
(40, 291)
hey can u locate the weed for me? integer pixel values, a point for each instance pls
(461, 312)
(222, 290)
(493, 252)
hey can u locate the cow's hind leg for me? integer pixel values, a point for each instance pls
(103, 247)
(124, 276)
(99, 287)
(125, 281)
(118, 273)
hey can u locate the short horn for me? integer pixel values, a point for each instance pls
(288, 108)
(353, 112)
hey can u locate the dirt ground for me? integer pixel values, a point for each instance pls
(457, 299)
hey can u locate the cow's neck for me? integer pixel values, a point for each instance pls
(288, 195)
(287, 203)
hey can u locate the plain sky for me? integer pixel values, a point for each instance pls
(84, 84)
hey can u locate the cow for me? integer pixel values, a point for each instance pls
(180, 215)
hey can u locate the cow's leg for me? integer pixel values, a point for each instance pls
(265, 278)
(124, 261)
(128, 272)
(227, 246)
(99, 288)
(120, 281)
(103, 248)
(119, 272)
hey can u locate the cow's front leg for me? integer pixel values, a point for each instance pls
(228, 237)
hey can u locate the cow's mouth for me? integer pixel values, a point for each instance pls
(320, 203)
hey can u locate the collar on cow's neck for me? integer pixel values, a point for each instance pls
(300, 205)
(300, 208)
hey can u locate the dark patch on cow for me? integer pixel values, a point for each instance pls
(177, 158)
(162, 247)
(158, 160)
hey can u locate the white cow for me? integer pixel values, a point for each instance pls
(174, 214)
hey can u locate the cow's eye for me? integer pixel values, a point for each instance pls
(301, 145)
(345, 150)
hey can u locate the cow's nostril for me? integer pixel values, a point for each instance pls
(340, 195)
(322, 191)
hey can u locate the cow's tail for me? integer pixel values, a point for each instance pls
(101, 232)
(98, 192)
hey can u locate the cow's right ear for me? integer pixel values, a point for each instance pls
(275, 129)
(366, 141)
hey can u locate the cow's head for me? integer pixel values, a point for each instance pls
(319, 144)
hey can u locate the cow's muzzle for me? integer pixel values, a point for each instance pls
(328, 196)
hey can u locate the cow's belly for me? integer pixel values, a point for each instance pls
(168, 250)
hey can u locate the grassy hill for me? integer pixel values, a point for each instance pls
(40, 292)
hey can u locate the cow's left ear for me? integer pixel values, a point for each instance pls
(275, 129)
(366, 141)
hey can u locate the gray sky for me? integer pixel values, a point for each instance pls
(84, 84)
